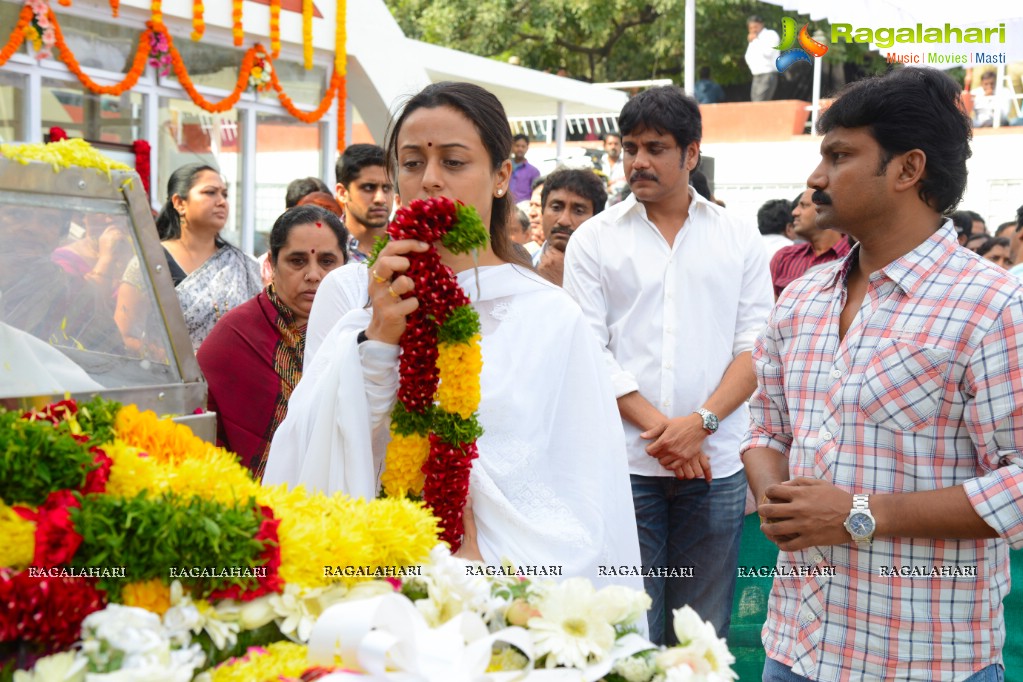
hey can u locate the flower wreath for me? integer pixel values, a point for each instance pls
(434, 424)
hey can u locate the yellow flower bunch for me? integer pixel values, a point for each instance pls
(278, 660)
(318, 531)
(405, 458)
(151, 595)
(160, 438)
(19, 544)
(62, 154)
(459, 365)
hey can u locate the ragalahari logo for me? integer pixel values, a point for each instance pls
(807, 45)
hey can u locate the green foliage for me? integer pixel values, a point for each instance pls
(378, 245)
(37, 459)
(468, 232)
(462, 324)
(405, 423)
(148, 536)
(601, 40)
(453, 429)
(97, 418)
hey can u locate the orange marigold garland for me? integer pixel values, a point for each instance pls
(236, 22)
(115, 7)
(307, 33)
(17, 36)
(341, 68)
(275, 28)
(130, 78)
(199, 20)
(442, 335)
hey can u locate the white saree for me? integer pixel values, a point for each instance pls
(551, 485)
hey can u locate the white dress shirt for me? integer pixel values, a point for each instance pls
(761, 53)
(672, 317)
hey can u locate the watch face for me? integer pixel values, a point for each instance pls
(861, 525)
(712, 422)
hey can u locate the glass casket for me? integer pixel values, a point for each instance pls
(87, 305)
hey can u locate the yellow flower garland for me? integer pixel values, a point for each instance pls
(405, 458)
(280, 660)
(459, 365)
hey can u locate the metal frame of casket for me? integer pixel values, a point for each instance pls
(166, 380)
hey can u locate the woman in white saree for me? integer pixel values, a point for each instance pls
(551, 486)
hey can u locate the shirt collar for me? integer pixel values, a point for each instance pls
(909, 270)
(632, 205)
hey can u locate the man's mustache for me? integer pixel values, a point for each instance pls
(820, 198)
(643, 175)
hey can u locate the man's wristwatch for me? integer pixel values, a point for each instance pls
(860, 522)
(710, 420)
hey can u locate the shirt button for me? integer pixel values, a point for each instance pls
(811, 618)
(826, 435)
(836, 374)
(666, 403)
(817, 558)
(667, 365)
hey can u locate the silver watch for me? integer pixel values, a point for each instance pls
(710, 420)
(860, 522)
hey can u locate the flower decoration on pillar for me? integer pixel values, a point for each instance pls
(261, 74)
(159, 53)
(434, 425)
(237, 30)
(198, 19)
(40, 32)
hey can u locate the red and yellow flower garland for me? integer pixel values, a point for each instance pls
(434, 425)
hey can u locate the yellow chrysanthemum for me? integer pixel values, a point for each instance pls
(62, 154)
(459, 365)
(160, 438)
(131, 473)
(280, 659)
(151, 595)
(404, 464)
(318, 531)
(19, 544)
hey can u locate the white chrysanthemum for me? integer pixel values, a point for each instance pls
(681, 673)
(62, 667)
(134, 631)
(572, 629)
(451, 589)
(635, 669)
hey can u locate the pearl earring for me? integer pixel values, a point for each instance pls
(500, 192)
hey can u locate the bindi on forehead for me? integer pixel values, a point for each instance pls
(429, 144)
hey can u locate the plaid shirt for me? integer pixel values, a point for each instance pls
(924, 392)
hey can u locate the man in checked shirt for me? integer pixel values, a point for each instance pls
(885, 430)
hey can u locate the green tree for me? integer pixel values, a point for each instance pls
(596, 40)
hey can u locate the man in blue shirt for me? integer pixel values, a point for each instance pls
(523, 172)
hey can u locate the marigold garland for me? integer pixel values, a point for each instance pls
(18, 547)
(237, 31)
(307, 33)
(17, 36)
(275, 28)
(447, 418)
(115, 8)
(157, 34)
(199, 20)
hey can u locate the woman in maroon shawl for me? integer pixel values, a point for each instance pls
(252, 359)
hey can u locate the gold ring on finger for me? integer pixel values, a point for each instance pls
(376, 277)
(392, 292)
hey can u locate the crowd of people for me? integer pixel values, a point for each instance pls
(654, 367)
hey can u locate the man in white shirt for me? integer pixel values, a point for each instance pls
(612, 165)
(677, 290)
(761, 54)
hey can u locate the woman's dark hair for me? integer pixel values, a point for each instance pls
(487, 115)
(308, 214)
(168, 223)
(911, 108)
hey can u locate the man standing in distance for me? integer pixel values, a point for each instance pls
(676, 290)
(367, 195)
(570, 197)
(523, 172)
(821, 246)
(884, 439)
(612, 165)
(761, 54)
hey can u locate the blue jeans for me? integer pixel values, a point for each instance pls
(687, 525)
(779, 672)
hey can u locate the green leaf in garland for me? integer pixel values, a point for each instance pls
(405, 423)
(454, 430)
(462, 324)
(378, 245)
(468, 232)
(36, 459)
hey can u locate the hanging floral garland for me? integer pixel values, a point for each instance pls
(434, 425)
(307, 33)
(199, 20)
(236, 22)
(156, 46)
(275, 28)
